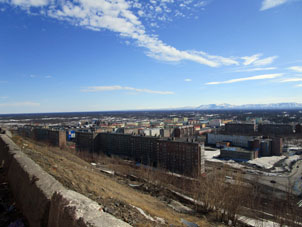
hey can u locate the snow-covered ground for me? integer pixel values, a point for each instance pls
(266, 162)
(290, 160)
(210, 154)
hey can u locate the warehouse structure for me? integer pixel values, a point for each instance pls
(240, 128)
(275, 129)
(235, 140)
(238, 154)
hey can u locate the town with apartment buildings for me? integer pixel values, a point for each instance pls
(265, 147)
(179, 142)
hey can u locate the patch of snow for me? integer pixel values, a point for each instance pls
(143, 213)
(256, 223)
(209, 155)
(110, 172)
(179, 207)
(291, 159)
(266, 162)
(298, 187)
(278, 170)
(160, 220)
(234, 164)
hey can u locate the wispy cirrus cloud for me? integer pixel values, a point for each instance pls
(20, 104)
(188, 80)
(265, 61)
(268, 4)
(255, 60)
(40, 76)
(255, 69)
(250, 59)
(296, 68)
(291, 80)
(125, 88)
(258, 77)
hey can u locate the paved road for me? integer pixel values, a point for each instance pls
(286, 182)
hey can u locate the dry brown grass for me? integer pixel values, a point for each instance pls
(77, 174)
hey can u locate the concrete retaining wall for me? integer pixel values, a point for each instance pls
(42, 199)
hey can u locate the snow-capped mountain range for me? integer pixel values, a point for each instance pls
(225, 106)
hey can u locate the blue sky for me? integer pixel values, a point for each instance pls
(94, 55)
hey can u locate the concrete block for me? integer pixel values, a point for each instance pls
(7, 150)
(43, 200)
(32, 188)
(69, 208)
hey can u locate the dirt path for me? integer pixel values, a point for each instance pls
(118, 199)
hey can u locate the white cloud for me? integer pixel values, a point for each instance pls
(255, 69)
(20, 104)
(250, 59)
(117, 16)
(256, 61)
(126, 18)
(299, 85)
(118, 87)
(259, 77)
(268, 4)
(291, 80)
(265, 61)
(188, 80)
(296, 68)
(28, 3)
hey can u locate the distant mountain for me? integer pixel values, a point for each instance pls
(225, 106)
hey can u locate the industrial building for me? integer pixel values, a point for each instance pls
(183, 131)
(151, 131)
(215, 123)
(264, 147)
(127, 131)
(270, 147)
(240, 128)
(235, 140)
(275, 129)
(238, 154)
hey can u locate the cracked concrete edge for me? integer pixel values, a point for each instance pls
(45, 201)
(69, 208)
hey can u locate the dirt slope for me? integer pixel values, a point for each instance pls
(118, 199)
